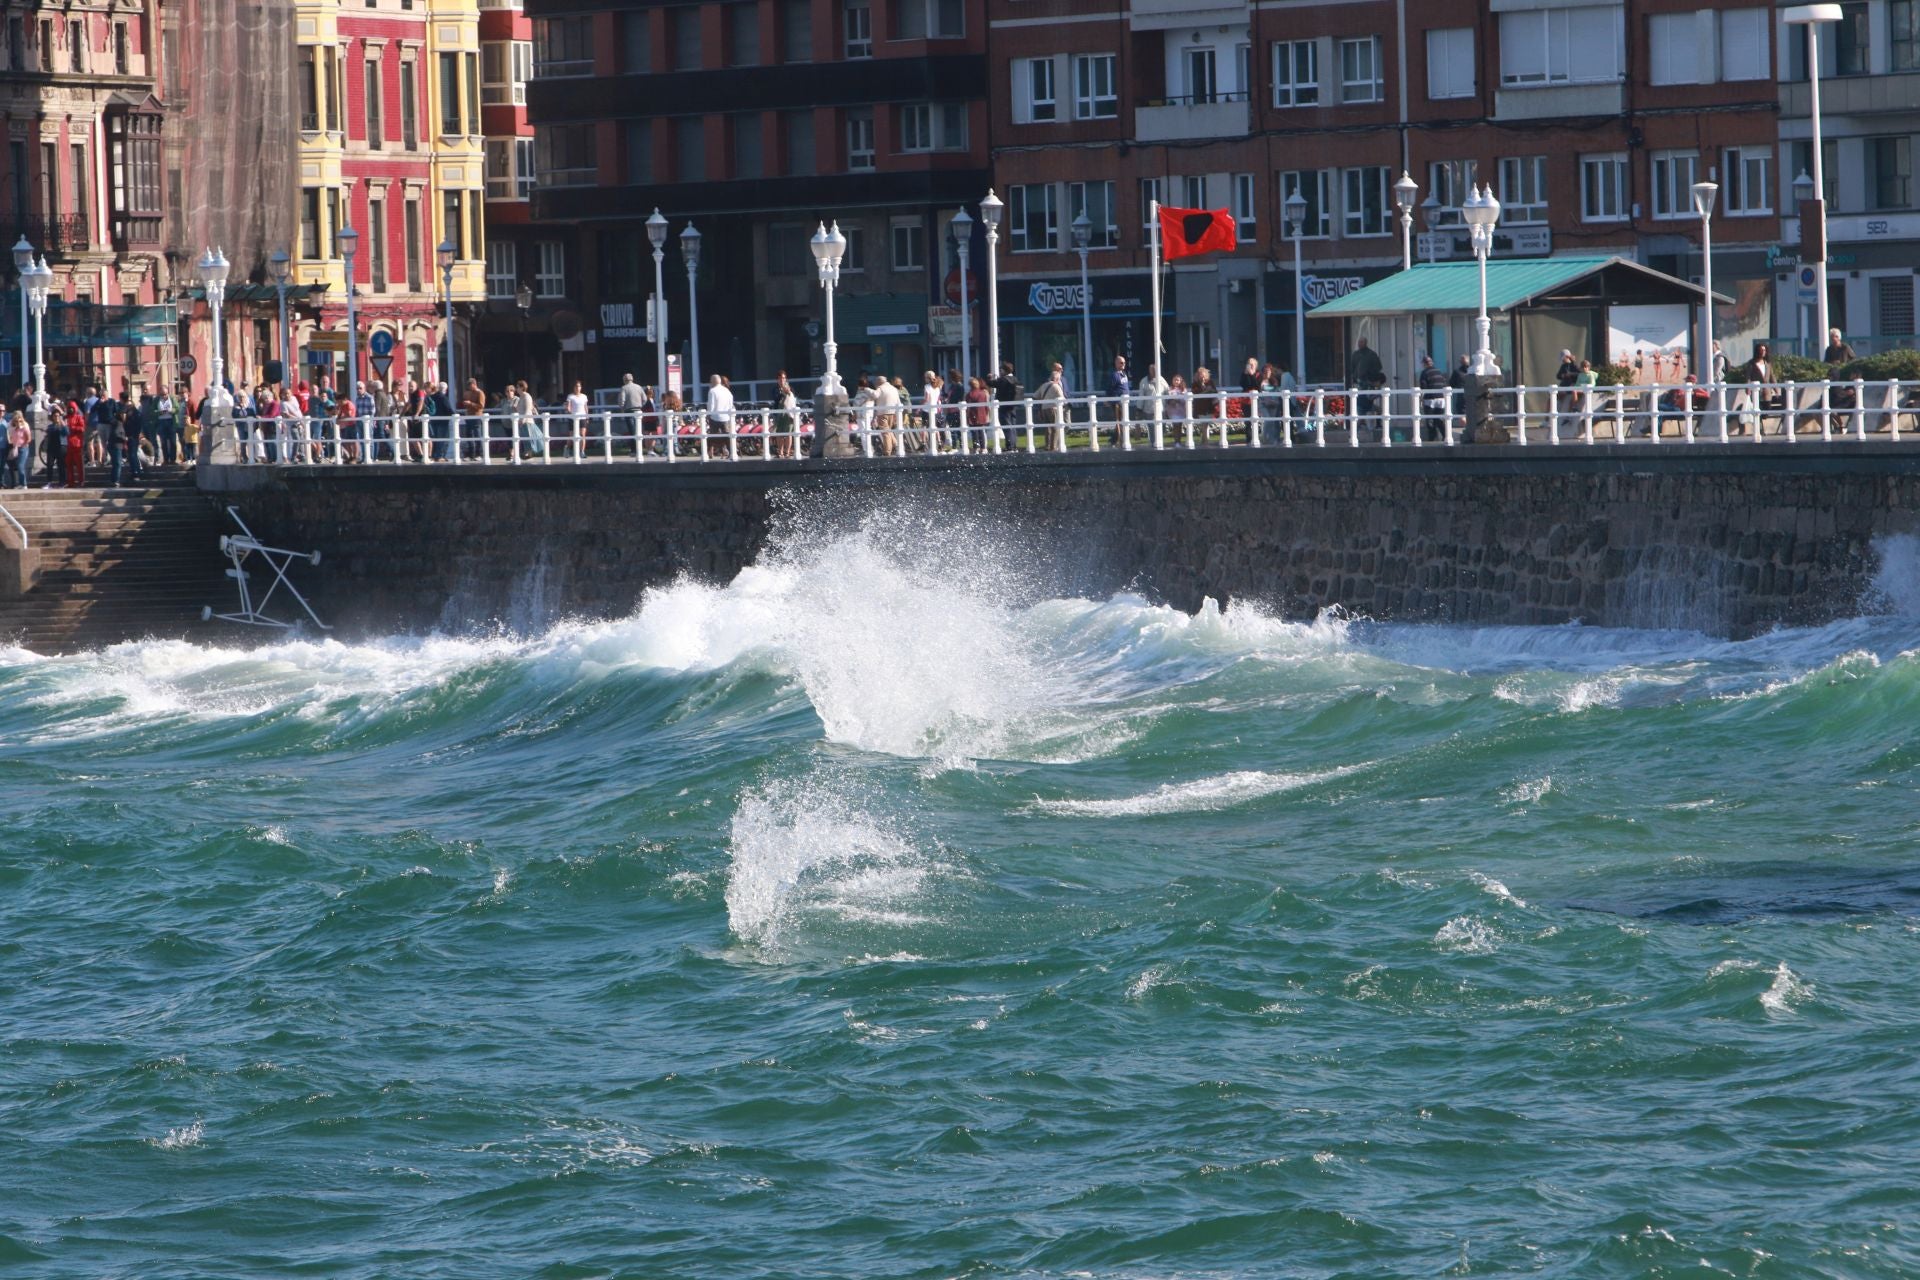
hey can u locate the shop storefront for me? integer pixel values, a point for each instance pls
(1327, 340)
(1041, 322)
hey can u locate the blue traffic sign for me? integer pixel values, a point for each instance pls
(381, 343)
(6, 361)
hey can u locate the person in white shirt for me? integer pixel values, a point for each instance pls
(577, 410)
(886, 405)
(719, 405)
(1154, 388)
(932, 391)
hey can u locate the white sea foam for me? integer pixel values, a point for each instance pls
(1201, 795)
(1491, 886)
(181, 1138)
(1531, 791)
(1787, 990)
(1467, 935)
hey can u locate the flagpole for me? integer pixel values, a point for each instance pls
(1153, 239)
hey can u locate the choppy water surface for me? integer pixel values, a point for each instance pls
(869, 917)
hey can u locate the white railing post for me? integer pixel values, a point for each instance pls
(1189, 433)
(1893, 410)
(1093, 423)
(1790, 420)
(1123, 422)
(1860, 409)
(1320, 419)
(1720, 408)
(606, 437)
(1619, 415)
(1286, 419)
(1686, 414)
(1159, 422)
(1587, 396)
(1386, 417)
(1520, 413)
(1826, 411)
(1253, 419)
(1353, 419)
(1553, 418)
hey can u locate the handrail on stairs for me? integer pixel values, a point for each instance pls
(25, 541)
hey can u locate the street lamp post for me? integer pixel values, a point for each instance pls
(829, 247)
(1810, 16)
(350, 242)
(963, 249)
(1403, 193)
(23, 263)
(212, 269)
(690, 250)
(35, 282)
(523, 299)
(990, 211)
(1482, 211)
(1704, 194)
(445, 254)
(1082, 242)
(281, 266)
(1296, 214)
(657, 236)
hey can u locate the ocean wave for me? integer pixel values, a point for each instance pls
(1222, 791)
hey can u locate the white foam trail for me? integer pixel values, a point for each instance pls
(801, 853)
(180, 1139)
(1467, 935)
(1220, 792)
(1786, 991)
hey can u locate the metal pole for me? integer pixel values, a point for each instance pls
(286, 342)
(40, 355)
(1406, 239)
(26, 360)
(1160, 375)
(1086, 326)
(830, 348)
(1706, 308)
(1819, 196)
(660, 322)
(693, 328)
(993, 297)
(966, 324)
(1299, 312)
(353, 333)
(446, 288)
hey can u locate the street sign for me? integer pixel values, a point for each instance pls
(673, 376)
(6, 362)
(327, 340)
(380, 363)
(381, 343)
(1808, 280)
(188, 366)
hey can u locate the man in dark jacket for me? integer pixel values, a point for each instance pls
(1007, 390)
(108, 414)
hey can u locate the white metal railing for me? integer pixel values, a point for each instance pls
(25, 541)
(1307, 418)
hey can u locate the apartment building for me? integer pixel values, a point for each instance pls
(81, 172)
(1870, 107)
(1590, 122)
(390, 144)
(755, 120)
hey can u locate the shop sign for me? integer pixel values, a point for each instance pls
(616, 323)
(1316, 290)
(893, 331)
(1129, 294)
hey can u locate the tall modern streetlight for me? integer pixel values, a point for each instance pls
(963, 249)
(1482, 211)
(281, 267)
(36, 281)
(349, 240)
(445, 254)
(1082, 242)
(212, 269)
(657, 235)
(829, 247)
(1810, 16)
(990, 210)
(1295, 209)
(23, 263)
(690, 250)
(1403, 193)
(1704, 194)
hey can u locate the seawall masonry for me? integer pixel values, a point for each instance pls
(1729, 539)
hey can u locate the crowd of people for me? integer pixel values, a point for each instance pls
(92, 431)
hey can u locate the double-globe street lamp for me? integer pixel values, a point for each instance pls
(829, 247)
(36, 282)
(963, 249)
(1482, 213)
(280, 264)
(350, 243)
(212, 270)
(690, 250)
(990, 210)
(657, 236)
(23, 263)
(1082, 242)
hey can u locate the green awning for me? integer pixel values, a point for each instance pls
(1455, 286)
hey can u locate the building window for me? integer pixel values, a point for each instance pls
(1850, 40)
(1095, 199)
(854, 260)
(411, 212)
(503, 270)
(499, 169)
(505, 67)
(1034, 95)
(1312, 186)
(410, 104)
(1890, 172)
(1674, 173)
(377, 244)
(1032, 218)
(796, 30)
(929, 20)
(1360, 75)
(787, 249)
(1450, 63)
(550, 270)
(908, 238)
(1903, 35)
(796, 130)
(566, 155)
(449, 95)
(1743, 43)
(375, 127)
(1893, 304)
(333, 73)
(310, 224)
(1673, 48)
(636, 41)
(82, 195)
(1450, 182)
(1748, 185)
(743, 34)
(565, 47)
(1194, 191)
(452, 225)
(523, 171)
(1296, 73)
(1094, 95)
(1243, 219)
(1366, 201)
(748, 157)
(683, 31)
(857, 21)
(76, 45)
(473, 94)
(933, 126)
(1523, 190)
(1203, 75)
(1561, 46)
(1150, 193)
(860, 138)
(690, 148)
(122, 62)
(1603, 188)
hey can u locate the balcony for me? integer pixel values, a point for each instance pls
(1224, 115)
(1559, 101)
(1853, 95)
(64, 232)
(1164, 15)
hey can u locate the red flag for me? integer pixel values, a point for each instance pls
(1185, 232)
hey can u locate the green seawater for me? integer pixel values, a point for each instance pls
(882, 914)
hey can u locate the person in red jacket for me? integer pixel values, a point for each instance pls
(76, 448)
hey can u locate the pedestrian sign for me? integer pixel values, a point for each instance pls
(381, 343)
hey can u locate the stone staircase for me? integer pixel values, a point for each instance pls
(118, 564)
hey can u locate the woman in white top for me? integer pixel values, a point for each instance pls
(294, 425)
(886, 417)
(932, 392)
(577, 410)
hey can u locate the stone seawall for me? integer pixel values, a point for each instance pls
(1729, 539)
